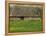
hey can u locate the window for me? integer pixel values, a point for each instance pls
(25, 17)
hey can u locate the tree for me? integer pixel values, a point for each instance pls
(36, 11)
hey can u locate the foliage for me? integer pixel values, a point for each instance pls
(25, 26)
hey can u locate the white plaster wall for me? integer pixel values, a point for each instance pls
(28, 0)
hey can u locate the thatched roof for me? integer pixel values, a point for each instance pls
(24, 10)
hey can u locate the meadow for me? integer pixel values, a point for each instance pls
(25, 26)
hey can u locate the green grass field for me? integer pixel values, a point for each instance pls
(25, 26)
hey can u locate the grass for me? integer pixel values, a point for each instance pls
(25, 26)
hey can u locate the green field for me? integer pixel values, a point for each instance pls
(25, 26)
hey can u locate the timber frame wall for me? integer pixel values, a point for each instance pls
(7, 18)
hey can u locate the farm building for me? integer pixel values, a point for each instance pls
(25, 11)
